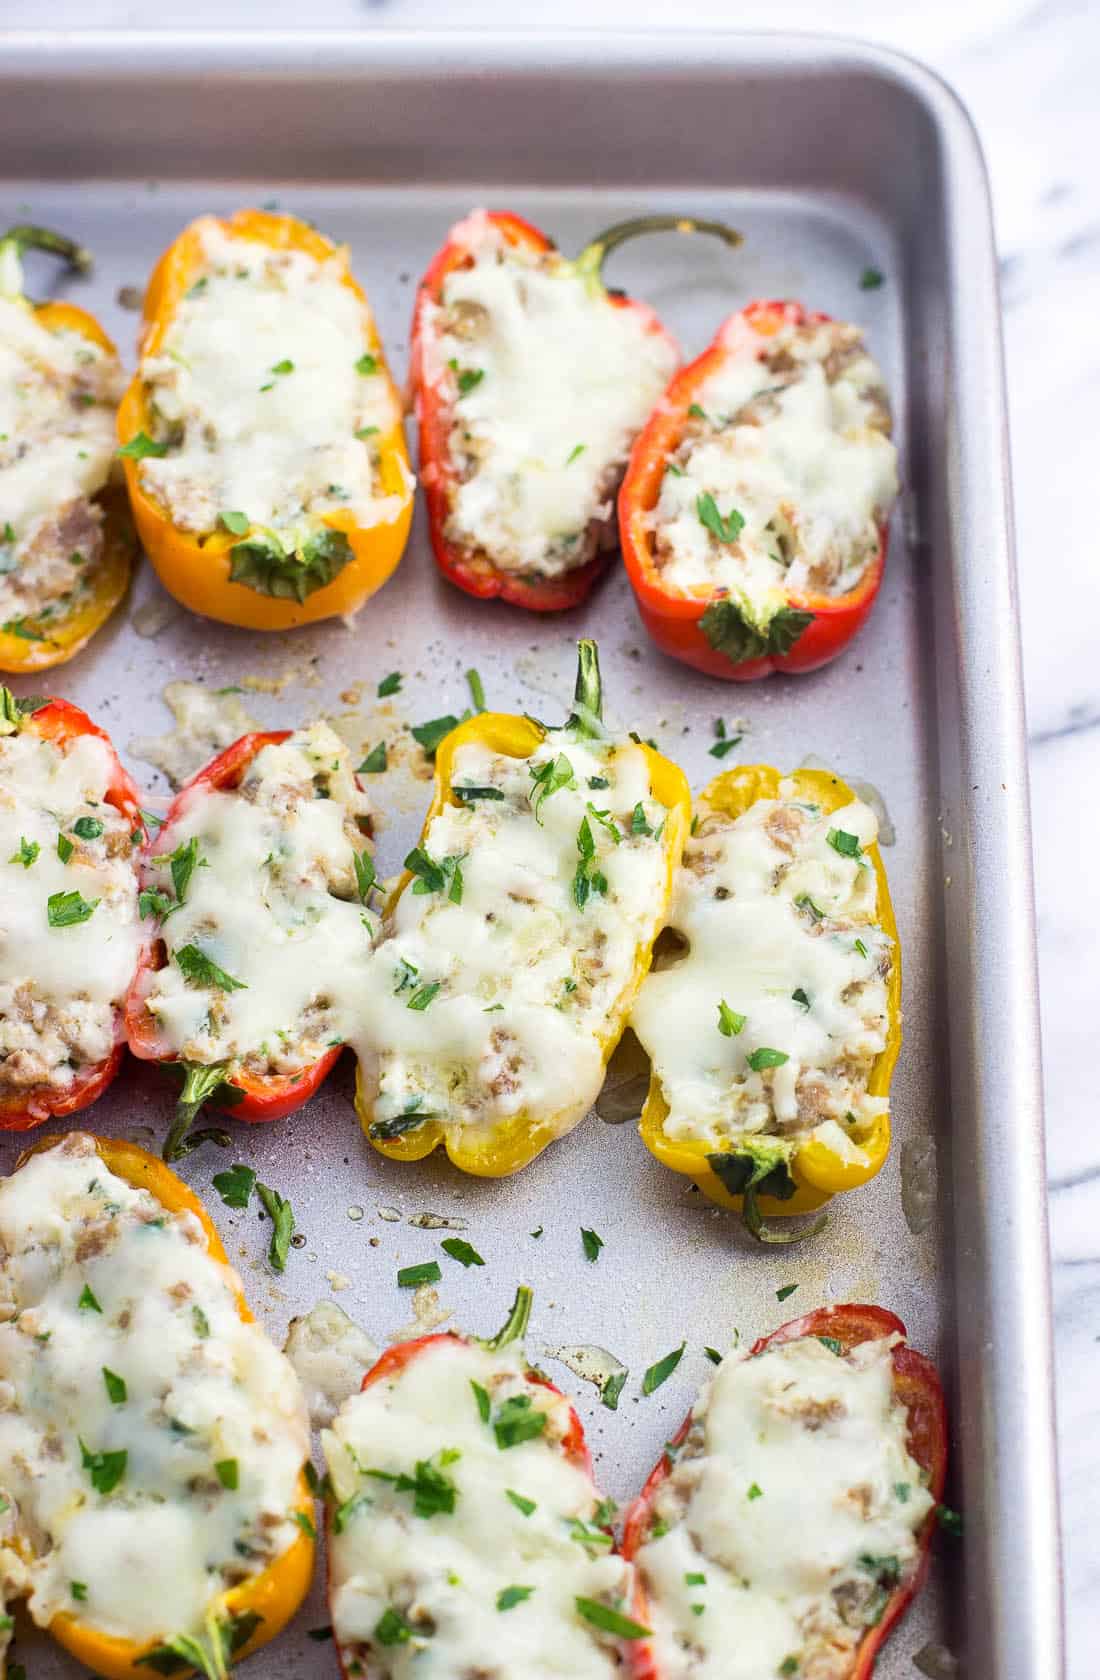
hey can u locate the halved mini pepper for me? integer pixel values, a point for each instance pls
(36, 641)
(703, 626)
(229, 1086)
(512, 1143)
(244, 574)
(258, 1609)
(60, 721)
(474, 568)
(916, 1387)
(764, 1177)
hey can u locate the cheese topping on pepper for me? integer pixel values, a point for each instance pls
(507, 962)
(58, 395)
(785, 474)
(260, 911)
(265, 398)
(791, 1514)
(462, 1535)
(150, 1441)
(550, 386)
(69, 932)
(768, 1025)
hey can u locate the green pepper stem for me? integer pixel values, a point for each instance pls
(514, 1327)
(596, 253)
(758, 1228)
(199, 1085)
(26, 237)
(587, 691)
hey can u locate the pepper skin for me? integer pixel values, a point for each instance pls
(246, 1096)
(515, 1142)
(916, 1386)
(814, 1173)
(61, 638)
(60, 721)
(471, 569)
(276, 1593)
(674, 619)
(195, 567)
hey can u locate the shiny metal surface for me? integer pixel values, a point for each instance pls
(832, 157)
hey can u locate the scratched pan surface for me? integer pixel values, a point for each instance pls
(832, 158)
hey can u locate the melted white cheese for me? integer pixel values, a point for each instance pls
(444, 1573)
(564, 383)
(526, 981)
(273, 902)
(201, 1388)
(801, 452)
(797, 1470)
(61, 987)
(330, 1354)
(58, 393)
(753, 946)
(278, 446)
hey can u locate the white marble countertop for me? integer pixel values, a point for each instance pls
(1028, 70)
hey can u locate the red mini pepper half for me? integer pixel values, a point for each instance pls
(471, 569)
(60, 721)
(233, 1089)
(702, 627)
(917, 1387)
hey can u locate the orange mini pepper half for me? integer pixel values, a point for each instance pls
(762, 1175)
(258, 1609)
(701, 626)
(40, 640)
(335, 572)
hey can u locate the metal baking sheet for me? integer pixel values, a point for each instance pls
(832, 157)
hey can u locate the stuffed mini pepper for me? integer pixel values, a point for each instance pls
(466, 1535)
(70, 936)
(773, 1031)
(262, 434)
(531, 380)
(514, 944)
(152, 1440)
(66, 541)
(253, 894)
(754, 514)
(789, 1521)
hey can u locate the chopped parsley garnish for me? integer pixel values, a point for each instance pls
(509, 1597)
(525, 1506)
(430, 734)
(592, 1243)
(28, 851)
(755, 1491)
(375, 761)
(639, 822)
(79, 1591)
(697, 412)
(727, 530)
(141, 446)
(411, 1277)
(846, 844)
(871, 279)
(723, 743)
(593, 1538)
(787, 1290)
(517, 1420)
(444, 876)
(68, 909)
(481, 1395)
(182, 864)
(366, 364)
(389, 685)
(87, 828)
(201, 970)
(424, 996)
(433, 1492)
(788, 1666)
(235, 1185)
(234, 521)
(228, 1474)
(65, 848)
(574, 454)
(766, 1058)
(950, 1520)
(694, 1579)
(467, 792)
(832, 1344)
(662, 1370)
(477, 689)
(610, 1621)
(281, 1214)
(588, 878)
(805, 902)
(87, 1301)
(730, 1023)
(713, 1355)
(200, 1323)
(468, 378)
(613, 1388)
(106, 1469)
(285, 366)
(115, 1386)
(462, 1251)
(391, 1628)
(305, 1523)
(800, 997)
(550, 778)
(364, 875)
(902, 1490)
(350, 1508)
(860, 947)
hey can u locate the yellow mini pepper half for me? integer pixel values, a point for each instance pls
(260, 1607)
(39, 644)
(514, 1143)
(761, 1177)
(196, 567)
